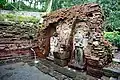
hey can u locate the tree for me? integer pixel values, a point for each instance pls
(49, 6)
(2, 3)
(111, 12)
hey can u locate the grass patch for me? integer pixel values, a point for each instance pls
(12, 17)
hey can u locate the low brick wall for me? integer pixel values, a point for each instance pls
(16, 40)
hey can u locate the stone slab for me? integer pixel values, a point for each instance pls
(111, 72)
(62, 70)
(76, 66)
(22, 71)
(94, 72)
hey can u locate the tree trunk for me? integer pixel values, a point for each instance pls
(49, 6)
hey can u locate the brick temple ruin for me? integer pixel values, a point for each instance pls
(88, 20)
(60, 30)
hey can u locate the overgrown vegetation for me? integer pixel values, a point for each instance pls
(111, 8)
(113, 37)
(12, 17)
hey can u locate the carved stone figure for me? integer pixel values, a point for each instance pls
(53, 44)
(78, 44)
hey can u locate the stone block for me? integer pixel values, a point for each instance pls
(61, 62)
(62, 55)
(76, 66)
(94, 72)
(93, 61)
(111, 72)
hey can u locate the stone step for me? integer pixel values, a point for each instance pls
(94, 72)
(111, 72)
(65, 71)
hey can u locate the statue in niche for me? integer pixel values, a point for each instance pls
(78, 48)
(53, 45)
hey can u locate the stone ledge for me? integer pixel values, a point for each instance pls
(111, 72)
(62, 70)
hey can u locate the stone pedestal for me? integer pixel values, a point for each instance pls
(76, 66)
(61, 62)
(62, 56)
(61, 59)
(94, 68)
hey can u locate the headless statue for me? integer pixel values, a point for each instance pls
(53, 45)
(78, 44)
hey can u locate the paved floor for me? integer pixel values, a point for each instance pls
(22, 71)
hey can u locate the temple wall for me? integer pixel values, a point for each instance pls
(88, 19)
(16, 40)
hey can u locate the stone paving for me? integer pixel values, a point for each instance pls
(44, 70)
(22, 71)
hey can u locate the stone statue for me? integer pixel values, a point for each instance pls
(53, 44)
(78, 47)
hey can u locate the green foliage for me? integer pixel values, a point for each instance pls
(111, 8)
(23, 7)
(11, 17)
(113, 37)
(2, 3)
(57, 4)
(111, 11)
